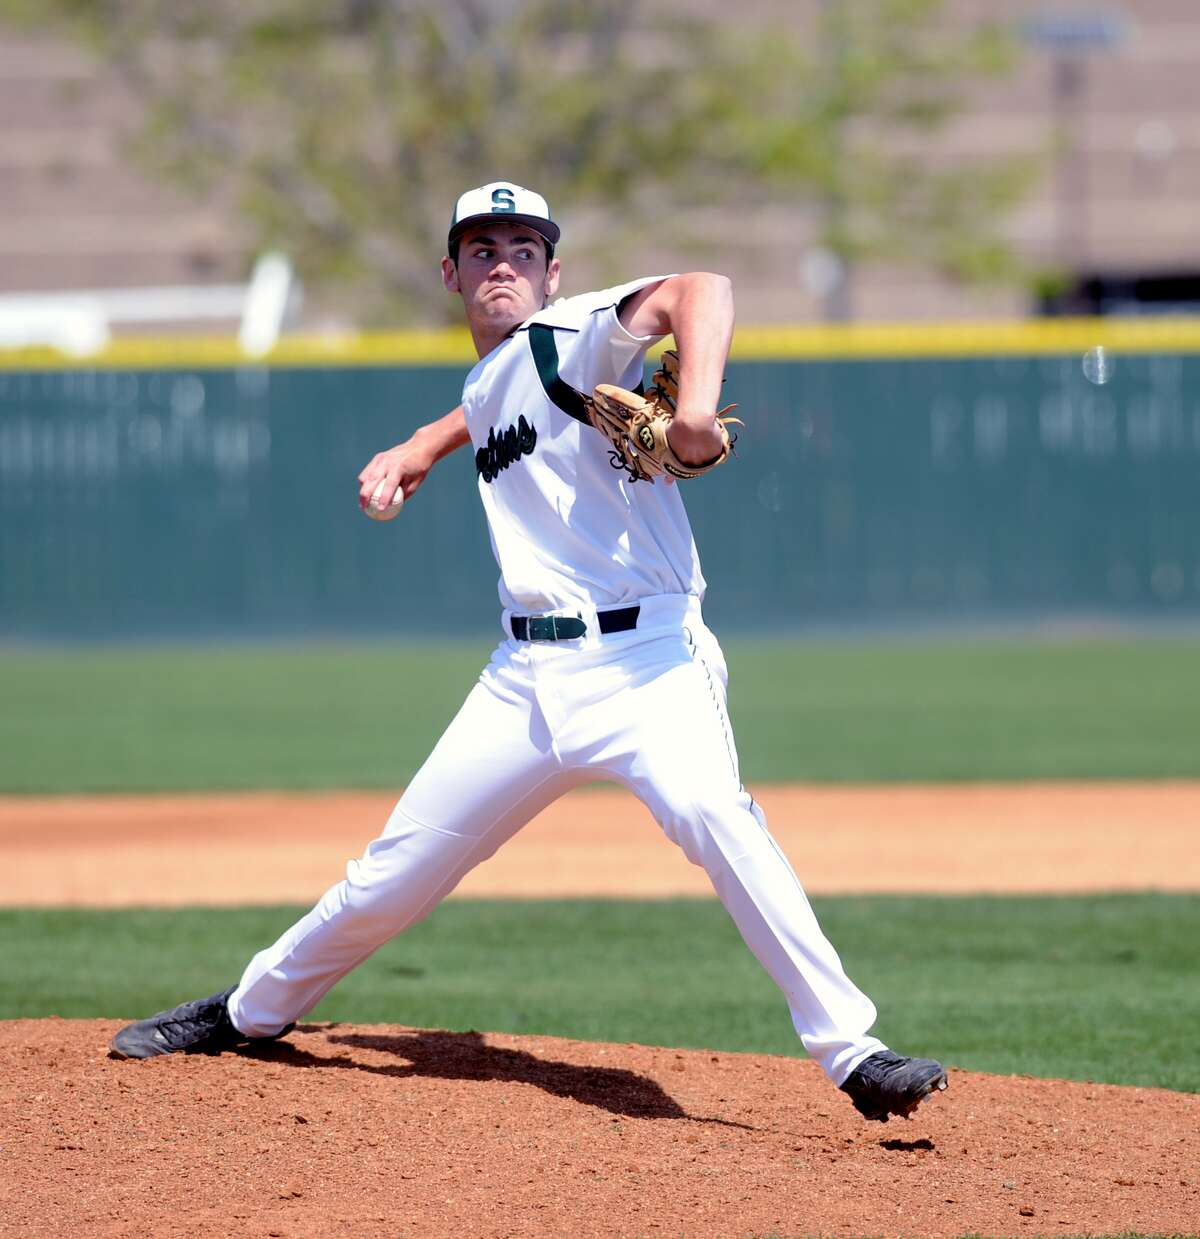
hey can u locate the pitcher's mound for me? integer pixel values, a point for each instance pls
(385, 1131)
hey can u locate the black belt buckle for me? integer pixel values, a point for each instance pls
(571, 627)
(555, 627)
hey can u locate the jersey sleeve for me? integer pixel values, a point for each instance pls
(593, 344)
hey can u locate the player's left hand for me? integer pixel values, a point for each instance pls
(693, 440)
(651, 437)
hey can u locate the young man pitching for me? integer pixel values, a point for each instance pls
(605, 669)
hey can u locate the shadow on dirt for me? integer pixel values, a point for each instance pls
(465, 1056)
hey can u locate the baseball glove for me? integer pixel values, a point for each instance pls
(636, 426)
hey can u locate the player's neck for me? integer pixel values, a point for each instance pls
(488, 331)
(486, 336)
(489, 334)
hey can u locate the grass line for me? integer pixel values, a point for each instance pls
(1099, 987)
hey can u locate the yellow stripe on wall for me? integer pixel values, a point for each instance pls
(452, 346)
(997, 339)
(391, 348)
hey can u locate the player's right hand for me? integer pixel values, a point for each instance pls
(401, 468)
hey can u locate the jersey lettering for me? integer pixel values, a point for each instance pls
(502, 200)
(505, 448)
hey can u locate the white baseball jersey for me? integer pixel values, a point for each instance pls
(568, 530)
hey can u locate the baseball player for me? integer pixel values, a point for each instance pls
(606, 668)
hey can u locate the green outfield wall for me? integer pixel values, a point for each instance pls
(874, 485)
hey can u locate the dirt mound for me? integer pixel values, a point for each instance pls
(368, 1131)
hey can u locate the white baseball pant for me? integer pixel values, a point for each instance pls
(645, 708)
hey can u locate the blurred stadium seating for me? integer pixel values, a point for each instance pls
(1119, 195)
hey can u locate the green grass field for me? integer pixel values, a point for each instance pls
(1099, 988)
(352, 715)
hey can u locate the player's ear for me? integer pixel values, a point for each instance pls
(450, 276)
(551, 285)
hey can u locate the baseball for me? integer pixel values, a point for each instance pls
(378, 513)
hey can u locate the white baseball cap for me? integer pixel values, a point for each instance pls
(506, 202)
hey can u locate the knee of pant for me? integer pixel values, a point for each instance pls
(375, 896)
(374, 879)
(368, 888)
(368, 914)
(417, 857)
(362, 910)
(396, 875)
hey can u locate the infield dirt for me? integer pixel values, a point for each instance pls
(278, 848)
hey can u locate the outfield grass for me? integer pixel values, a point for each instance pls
(354, 715)
(1100, 988)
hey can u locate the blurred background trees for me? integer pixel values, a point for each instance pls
(342, 130)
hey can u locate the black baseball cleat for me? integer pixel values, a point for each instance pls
(202, 1026)
(887, 1084)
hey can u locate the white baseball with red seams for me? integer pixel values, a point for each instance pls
(378, 512)
(644, 704)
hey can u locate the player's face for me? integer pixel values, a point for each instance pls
(502, 274)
